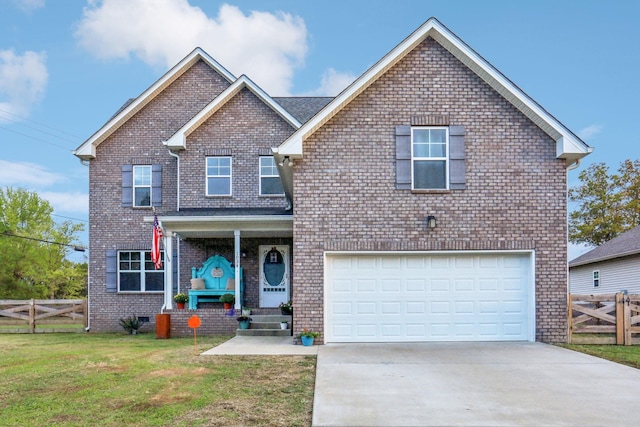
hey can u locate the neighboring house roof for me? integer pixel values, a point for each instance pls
(568, 145)
(178, 140)
(625, 244)
(303, 107)
(87, 150)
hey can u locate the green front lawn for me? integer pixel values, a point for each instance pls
(627, 355)
(137, 380)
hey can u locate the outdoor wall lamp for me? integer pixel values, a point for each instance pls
(431, 222)
(286, 161)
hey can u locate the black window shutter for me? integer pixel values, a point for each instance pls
(127, 186)
(457, 180)
(156, 185)
(112, 271)
(403, 157)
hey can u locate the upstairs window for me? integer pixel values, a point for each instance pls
(596, 278)
(270, 183)
(218, 176)
(429, 158)
(142, 186)
(136, 272)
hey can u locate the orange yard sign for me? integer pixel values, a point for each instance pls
(194, 323)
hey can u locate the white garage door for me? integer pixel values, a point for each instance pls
(428, 297)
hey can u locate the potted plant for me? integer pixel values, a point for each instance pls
(130, 324)
(307, 336)
(227, 300)
(286, 308)
(244, 321)
(246, 311)
(181, 299)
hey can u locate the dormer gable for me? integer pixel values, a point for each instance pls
(87, 150)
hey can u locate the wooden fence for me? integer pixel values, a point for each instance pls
(604, 319)
(31, 316)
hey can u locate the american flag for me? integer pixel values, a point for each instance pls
(155, 245)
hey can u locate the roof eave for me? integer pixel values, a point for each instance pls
(604, 258)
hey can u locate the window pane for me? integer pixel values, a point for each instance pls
(142, 175)
(438, 150)
(421, 135)
(219, 186)
(437, 135)
(154, 281)
(135, 265)
(429, 174)
(420, 150)
(124, 256)
(129, 281)
(135, 256)
(142, 196)
(271, 186)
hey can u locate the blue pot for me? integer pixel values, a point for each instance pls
(244, 324)
(307, 340)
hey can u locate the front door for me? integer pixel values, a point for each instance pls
(274, 275)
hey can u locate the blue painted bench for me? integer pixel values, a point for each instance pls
(218, 276)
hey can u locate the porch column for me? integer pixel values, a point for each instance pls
(167, 243)
(236, 263)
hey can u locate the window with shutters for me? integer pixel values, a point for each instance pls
(142, 186)
(219, 176)
(429, 158)
(596, 278)
(136, 272)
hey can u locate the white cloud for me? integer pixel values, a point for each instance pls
(29, 5)
(267, 47)
(23, 79)
(332, 83)
(23, 174)
(590, 131)
(67, 202)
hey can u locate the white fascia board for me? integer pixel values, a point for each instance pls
(178, 140)
(577, 149)
(87, 150)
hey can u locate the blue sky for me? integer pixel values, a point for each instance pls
(67, 66)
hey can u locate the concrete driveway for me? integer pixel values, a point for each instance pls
(470, 384)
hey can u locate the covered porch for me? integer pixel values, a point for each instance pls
(257, 243)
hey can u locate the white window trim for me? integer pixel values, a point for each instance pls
(141, 272)
(260, 176)
(207, 176)
(596, 278)
(134, 186)
(446, 159)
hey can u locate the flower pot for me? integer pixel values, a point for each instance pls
(286, 311)
(283, 325)
(246, 311)
(180, 305)
(307, 340)
(244, 324)
(226, 305)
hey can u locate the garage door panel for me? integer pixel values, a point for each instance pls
(426, 297)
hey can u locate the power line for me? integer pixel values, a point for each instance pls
(24, 119)
(34, 138)
(68, 217)
(74, 247)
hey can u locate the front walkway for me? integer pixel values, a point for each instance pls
(256, 345)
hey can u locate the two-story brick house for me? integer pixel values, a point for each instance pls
(426, 202)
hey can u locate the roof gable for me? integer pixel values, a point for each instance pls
(625, 244)
(178, 140)
(568, 145)
(87, 150)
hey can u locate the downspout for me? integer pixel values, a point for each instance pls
(87, 163)
(570, 167)
(178, 179)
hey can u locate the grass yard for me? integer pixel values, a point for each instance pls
(626, 355)
(137, 380)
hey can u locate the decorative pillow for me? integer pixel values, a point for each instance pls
(197, 284)
(231, 284)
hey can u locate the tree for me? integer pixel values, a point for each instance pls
(609, 203)
(33, 248)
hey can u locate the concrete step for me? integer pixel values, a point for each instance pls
(263, 332)
(265, 318)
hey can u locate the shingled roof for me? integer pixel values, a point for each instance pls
(303, 107)
(624, 245)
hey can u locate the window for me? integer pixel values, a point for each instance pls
(596, 278)
(429, 158)
(136, 272)
(270, 183)
(218, 176)
(141, 186)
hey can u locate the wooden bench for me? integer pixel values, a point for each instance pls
(218, 276)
